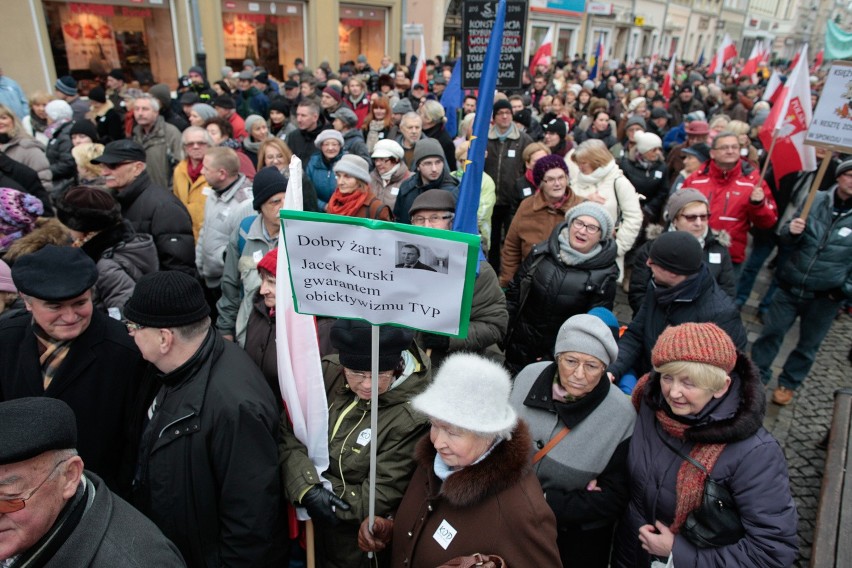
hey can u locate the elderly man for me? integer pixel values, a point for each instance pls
(814, 282)
(63, 348)
(301, 142)
(229, 202)
(430, 172)
(54, 512)
(148, 206)
(410, 132)
(160, 139)
(488, 314)
(207, 473)
(188, 182)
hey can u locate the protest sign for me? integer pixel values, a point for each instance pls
(477, 24)
(381, 272)
(831, 126)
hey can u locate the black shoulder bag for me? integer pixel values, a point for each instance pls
(716, 522)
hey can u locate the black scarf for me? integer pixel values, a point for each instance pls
(570, 413)
(686, 289)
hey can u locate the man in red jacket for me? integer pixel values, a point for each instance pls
(737, 202)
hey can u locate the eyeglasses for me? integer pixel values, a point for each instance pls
(14, 505)
(588, 367)
(131, 327)
(694, 218)
(728, 148)
(361, 376)
(420, 219)
(194, 144)
(560, 179)
(591, 229)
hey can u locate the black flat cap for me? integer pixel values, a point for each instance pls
(32, 426)
(353, 339)
(224, 101)
(54, 273)
(121, 151)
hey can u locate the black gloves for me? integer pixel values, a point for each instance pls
(433, 341)
(319, 502)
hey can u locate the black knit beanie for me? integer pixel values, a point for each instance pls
(267, 182)
(84, 127)
(678, 252)
(353, 339)
(166, 299)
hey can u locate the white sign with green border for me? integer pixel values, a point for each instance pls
(348, 267)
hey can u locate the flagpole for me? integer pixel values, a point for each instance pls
(374, 422)
(768, 157)
(310, 553)
(806, 209)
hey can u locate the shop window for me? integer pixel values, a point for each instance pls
(564, 44)
(89, 39)
(272, 34)
(362, 32)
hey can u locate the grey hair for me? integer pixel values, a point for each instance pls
(196, 130)
(155, 103)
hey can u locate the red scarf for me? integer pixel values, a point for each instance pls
(348, 204)
(529, 176)
(193, 172)
(690, 480)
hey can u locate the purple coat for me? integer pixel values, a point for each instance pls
(752, 467)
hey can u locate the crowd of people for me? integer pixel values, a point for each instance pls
(139, 232)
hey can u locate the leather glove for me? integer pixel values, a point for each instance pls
(433, 341)
(379, 538)
(320, 503)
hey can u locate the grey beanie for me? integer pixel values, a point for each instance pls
(593, 210)
(681, 199)
(472, 393)
(427, 148)
(355, 166)
(66, 85)
(402, 107)
(636, 120)
(346, 115)
(844, 167)
(204, 111)
(589, 335)
(328, 134)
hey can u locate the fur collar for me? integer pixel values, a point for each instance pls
(502, 469)
(744, 423)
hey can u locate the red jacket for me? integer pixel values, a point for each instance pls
(731, 209)
(361, 109)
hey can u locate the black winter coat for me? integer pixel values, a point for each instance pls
(411, 188)
(260, 343)
(696, 300)
(650, 180)
(716, 258)
(62, 163)
(556, 292)
(19, 176)
(156, 211)
(99, 380)
(439, 133)
(208, 468)
(301, 142)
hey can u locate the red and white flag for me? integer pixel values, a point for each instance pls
(299, 362)
(544, 53)
(727, 51)
(651, 63)
(757, 55)
(770, 93)
(788, 122)
(420, 75)
(818, 61)
(668, 81)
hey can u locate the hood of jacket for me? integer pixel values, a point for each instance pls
(604, 173)
(513, 134)
(504, 467)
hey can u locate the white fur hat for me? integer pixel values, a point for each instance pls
(471, 392)
(647, 141)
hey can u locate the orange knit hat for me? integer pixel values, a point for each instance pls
(695, 342)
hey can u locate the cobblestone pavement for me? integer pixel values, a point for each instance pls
(801, 425)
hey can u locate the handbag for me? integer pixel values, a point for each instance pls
(716, 521)
(483, 560)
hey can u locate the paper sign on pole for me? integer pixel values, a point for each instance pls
(831, 126)
(381, 272)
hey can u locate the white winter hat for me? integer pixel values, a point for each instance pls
(470, 392)
(647, 141)
(57, 110)
(388, 149)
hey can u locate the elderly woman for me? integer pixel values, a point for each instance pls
(473, 490)
(596, 176)
(538, 214)
(258, 131)
(404, 372)
(693, 157)
(21, 147)
(389, 172)
(260, 331)
(687, 210)
(199, 113)
(700, 415)
(122, 256)
(570, 273)
(581, 426)
(353, 196)
(320, 167)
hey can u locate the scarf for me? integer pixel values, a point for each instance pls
(251, 146)
(53, 128)
(347, 204)
(39, 124)
(193, 171)
(53, 353)
(529, 177)
(386, 177)
(572, 257)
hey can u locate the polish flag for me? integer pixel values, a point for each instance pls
(788, 123)
(754, 59)
(420, 75)
(668, 81)
(772, 90)
(652, 63)
(297, 347)
(818, 60)
(544, 53)
(726, 52)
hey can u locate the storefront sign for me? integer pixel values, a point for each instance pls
(88, 35)
(599, 8)
(831, 126)
(478, 20)
(381, 272)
